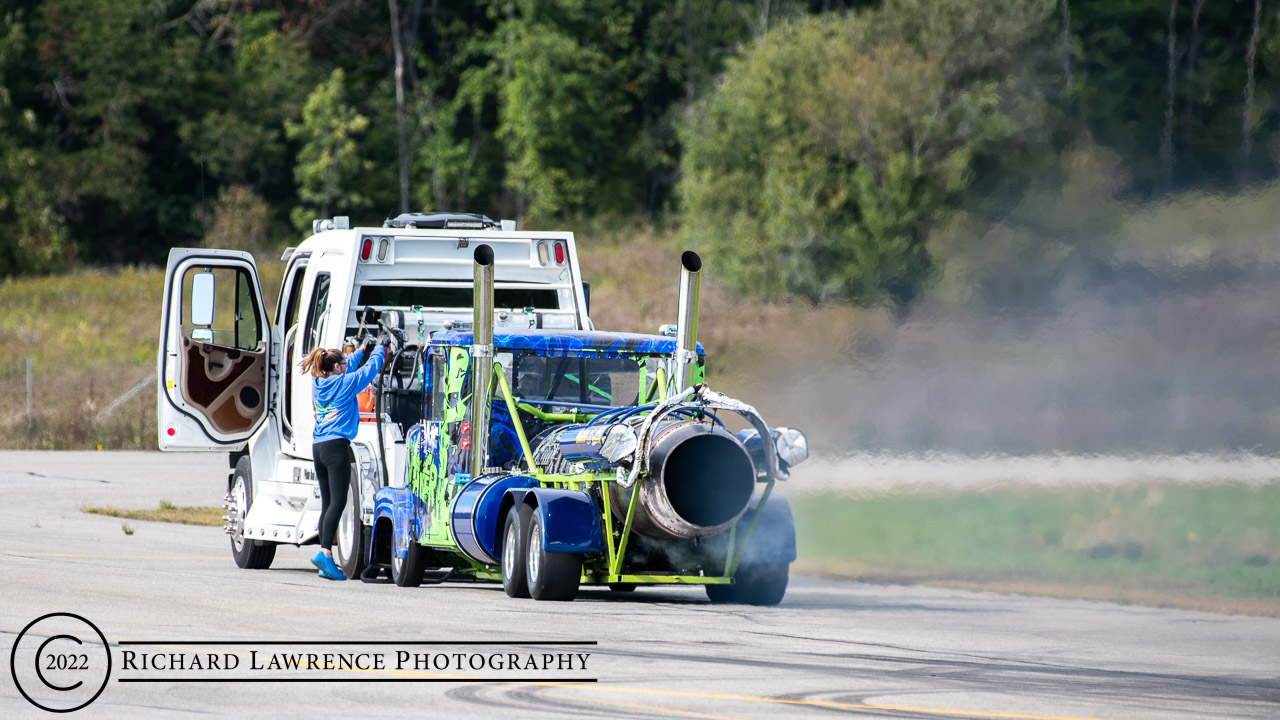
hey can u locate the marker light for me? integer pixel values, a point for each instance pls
(384, 247)
(172, 432)
(559, 253)
(366, 247)
(544, 255)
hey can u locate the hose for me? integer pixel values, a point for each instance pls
(388, 369)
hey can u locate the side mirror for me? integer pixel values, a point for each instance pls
(202, 299)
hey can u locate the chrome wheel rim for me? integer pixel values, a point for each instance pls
(346, 533)
(509, 552)
(534, 553)
(239, 496)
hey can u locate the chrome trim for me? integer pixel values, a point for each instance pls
(481, 358)
(686, 353)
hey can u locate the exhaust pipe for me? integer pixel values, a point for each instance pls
(687, 319)
(481, 358)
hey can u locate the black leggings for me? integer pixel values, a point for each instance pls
(333, 470)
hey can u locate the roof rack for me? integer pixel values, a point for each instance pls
(442, 221)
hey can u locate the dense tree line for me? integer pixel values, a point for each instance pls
(812, 145)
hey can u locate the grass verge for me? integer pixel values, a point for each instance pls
(1210, 548)
(168, 512)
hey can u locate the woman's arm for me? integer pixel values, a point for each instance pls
(356, 380)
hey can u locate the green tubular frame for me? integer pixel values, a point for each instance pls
(615, 554)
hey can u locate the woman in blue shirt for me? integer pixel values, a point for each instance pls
(337, 381)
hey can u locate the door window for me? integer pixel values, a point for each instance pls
(233, 321)
(293, 299)
(318, 314)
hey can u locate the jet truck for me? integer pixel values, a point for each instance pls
(506, 439)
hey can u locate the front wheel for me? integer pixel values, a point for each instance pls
(408, 571)
(551, 575)
(758, 584)
(352, 537)
(247, 553)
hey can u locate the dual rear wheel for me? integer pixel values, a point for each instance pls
(528, 570)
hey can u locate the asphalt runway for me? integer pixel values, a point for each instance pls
(831, 649)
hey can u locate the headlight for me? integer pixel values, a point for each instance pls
(791, 445)
(619, 443)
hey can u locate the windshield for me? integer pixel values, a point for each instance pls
(614, 382)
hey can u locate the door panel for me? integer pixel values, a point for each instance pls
(225, 384)
(213, 353)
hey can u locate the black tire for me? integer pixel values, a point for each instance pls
(351, 542)
(248, 554)
(408, 571)
(551, 575)
(759, 584)
(514, 534)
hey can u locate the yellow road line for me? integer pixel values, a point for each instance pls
(637, 706)
(820, 703)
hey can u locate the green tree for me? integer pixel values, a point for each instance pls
(330, 132)
(33, 236)
(239, 130)
(819, 162)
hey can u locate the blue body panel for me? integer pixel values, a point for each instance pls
(400, 507)
(475, 514)
(774, 540)
(569, 343)
(570, 518)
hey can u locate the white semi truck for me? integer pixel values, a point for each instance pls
(229, 374)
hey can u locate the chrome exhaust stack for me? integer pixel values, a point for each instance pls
(481, 358)
(686, 354)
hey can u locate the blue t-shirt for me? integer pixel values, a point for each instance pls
(337, 412)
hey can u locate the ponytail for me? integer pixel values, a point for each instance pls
(321, 362)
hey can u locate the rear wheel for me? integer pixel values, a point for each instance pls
(247, 553)
(551, 575)
(352, 537)
(758, 584)
(514, 535)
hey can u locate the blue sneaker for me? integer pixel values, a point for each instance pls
(329, 569)
(316, 560)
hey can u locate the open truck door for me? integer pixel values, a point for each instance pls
(214, 353)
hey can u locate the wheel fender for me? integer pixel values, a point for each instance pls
(393, 516)
(774, 539)
(570, 518)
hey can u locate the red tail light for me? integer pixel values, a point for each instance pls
(366, 247)
(559, 253)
